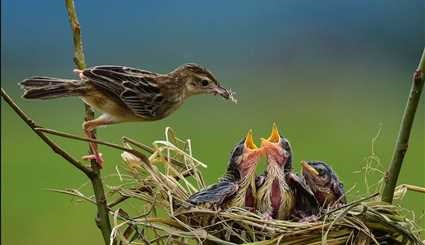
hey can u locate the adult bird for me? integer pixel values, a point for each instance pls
(124, 94)
(282, 194)
(325, 184)
(237, 187)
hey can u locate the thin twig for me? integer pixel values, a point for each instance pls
(102, 219)
(412, 188)
(100, 142)
(402, 142)
(138, 144)
(349, 205)
(56, 148)
(150, 150)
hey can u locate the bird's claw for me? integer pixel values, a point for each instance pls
(96, 156)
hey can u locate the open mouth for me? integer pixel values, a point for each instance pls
(274, 136)
(249, 141)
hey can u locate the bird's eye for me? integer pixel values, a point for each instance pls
(204, 83)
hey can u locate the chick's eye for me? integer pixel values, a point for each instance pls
(205, 82)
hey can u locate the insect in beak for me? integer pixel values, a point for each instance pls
(225, 93)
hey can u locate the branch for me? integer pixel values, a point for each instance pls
(56, 148)
(402, 142)
(100, 142)
(102, 219)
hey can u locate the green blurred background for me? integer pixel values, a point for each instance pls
(329, 73)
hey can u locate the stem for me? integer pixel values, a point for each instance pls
(402, 142)
(413, 188)
(102, 219)
(100, 142)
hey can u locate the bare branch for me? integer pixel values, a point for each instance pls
(100, 142)
(404, 132)
(102, 219)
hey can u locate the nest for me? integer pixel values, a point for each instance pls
(152, 209)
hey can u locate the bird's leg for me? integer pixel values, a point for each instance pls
(93, 147)
(88, 127)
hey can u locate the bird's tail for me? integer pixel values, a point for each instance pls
(50, 88)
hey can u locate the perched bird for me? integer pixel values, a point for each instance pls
(125, 94)
(281, 194)
(237, 187)
(327, 188)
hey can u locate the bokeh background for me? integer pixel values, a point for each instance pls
(331, 74)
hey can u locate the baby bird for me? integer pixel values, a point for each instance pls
(325, 184)
(275, 198)
(237, 187)
(281, 193)
(124, 94)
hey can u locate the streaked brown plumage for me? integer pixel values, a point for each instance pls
(125, 94)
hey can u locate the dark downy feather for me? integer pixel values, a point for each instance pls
(226, 186)
(306, 203)
(215, 194)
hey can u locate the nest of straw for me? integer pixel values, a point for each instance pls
(151, 208)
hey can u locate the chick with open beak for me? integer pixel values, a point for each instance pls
(325, 184)
(237, 187)
(281, 193)
(275, 199)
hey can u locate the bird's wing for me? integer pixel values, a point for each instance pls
(135, 88)
(214, 194)
(306, 201)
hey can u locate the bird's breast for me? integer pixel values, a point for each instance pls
(104, 104)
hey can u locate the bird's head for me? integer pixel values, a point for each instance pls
(245, 155)
(198, 80)
(277, 149)
(322, 179)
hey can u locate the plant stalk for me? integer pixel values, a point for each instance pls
(402, 142)
(102, 218)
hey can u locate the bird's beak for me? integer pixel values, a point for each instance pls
(225, 93)
(307, 167)
(249, 141)
(273, 138)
